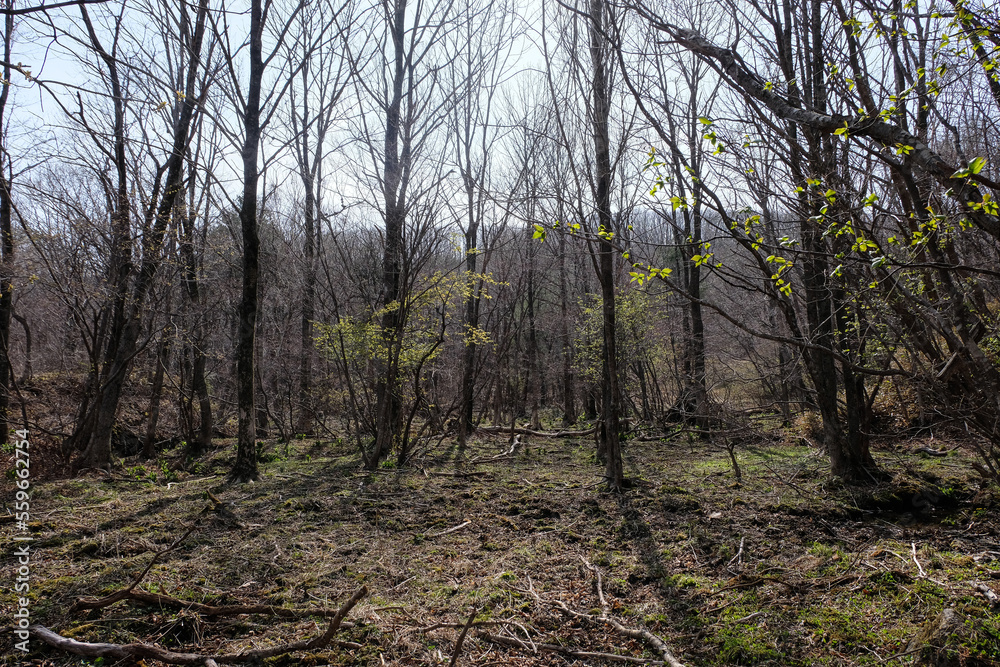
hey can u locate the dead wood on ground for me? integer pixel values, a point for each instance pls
(139, 650)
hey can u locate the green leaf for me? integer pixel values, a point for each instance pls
(977, 165)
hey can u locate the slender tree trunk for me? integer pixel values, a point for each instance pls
(532, 380)
(6, 242)
(27, 374)
(388, 412)
(305, 408)
(202, 441)
(245, 465)
(155, 396)
(471, 322)
(610, 393)
(569, 397)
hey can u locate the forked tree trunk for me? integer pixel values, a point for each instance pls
(388, 411)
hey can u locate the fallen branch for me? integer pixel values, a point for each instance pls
(451, 530)
(109, 600)
(738, 558)
(930, 452)
(913, 551)
(988, 592)
(444, 625)
(748, 617)
(471, 473)
(634, 633)
(515, 443)
(138, 651)
(461, 639)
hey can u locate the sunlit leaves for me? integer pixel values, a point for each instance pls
(974, 167)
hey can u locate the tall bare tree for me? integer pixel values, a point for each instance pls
(131, 284)
(396, 72)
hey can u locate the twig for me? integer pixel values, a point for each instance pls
(988, 592)
(600, 587)
(913, 550)
(400, 583)
(738, 558)
(461, 638)
(749, 617)
(139, 650)
(902, 655)
(81, 604)
(451, 530)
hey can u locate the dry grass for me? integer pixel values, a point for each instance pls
(825, 575)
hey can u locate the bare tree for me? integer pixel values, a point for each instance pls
(6, 232)
(313, 109)
(131, 285)
(485, 57)
(396, 71)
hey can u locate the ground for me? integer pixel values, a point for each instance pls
(786, 568)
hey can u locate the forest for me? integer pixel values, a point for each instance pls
(500, 332)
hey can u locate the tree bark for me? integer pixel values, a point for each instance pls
(155, 395)
(6, 241)
(568, 393)
(388, 412)
(202, 441)
(245, 466)
(609, 446)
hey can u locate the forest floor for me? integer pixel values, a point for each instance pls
(785, 568)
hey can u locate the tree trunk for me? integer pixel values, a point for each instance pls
(610, 446)
(6, 251)
(27, 374)
(569, 397)
(388, 412)
(155, 395)
(532, 380)
(305, 409)
(471, 322)
(245, 465)
(93, 433)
